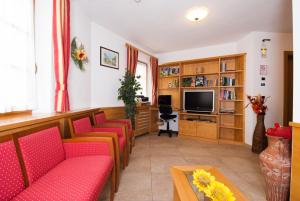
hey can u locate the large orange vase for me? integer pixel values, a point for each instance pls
(275, 163)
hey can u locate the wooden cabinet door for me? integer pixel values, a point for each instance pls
(187, 128)
(207, 130)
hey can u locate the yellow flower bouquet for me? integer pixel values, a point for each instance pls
(78, 54)
(212, 189)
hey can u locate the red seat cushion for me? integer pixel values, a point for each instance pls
(79, 178)
(11, 178)
(41, 152)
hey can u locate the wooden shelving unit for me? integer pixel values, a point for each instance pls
(224, 73)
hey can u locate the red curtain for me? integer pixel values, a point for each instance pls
(61, 45)
(132, 59)
(154, 69)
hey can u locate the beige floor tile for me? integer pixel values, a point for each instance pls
(147, 178)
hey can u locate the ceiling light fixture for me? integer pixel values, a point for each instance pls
(138, 1)
(197, 14)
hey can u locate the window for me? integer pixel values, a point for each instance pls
(142, 71)
(17, 76)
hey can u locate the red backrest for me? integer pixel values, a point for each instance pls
(100, 118)
(82, 125)
(41, 151)
(11, 178)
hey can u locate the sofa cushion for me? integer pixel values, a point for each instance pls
(100, 118)
(122, 142)
(79, 178)
(11, 178)
(41, 152)
(82, 125)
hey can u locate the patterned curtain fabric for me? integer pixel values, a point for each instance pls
(61, 43)
(154, 69)
(132, 59)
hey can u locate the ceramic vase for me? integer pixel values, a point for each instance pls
(275, 162)
(259, 141)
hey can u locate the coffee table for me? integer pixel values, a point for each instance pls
(183, 190)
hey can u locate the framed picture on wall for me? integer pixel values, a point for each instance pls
(109, 58)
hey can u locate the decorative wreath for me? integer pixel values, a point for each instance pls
(78, 53)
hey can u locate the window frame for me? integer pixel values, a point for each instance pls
(147, 69)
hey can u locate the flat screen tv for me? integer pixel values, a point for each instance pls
(199, 100)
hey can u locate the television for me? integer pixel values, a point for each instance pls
(199, 101)
(164, 100)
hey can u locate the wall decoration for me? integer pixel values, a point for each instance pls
(263, 70)
(264, 49)
(78, 53)
(109, 58)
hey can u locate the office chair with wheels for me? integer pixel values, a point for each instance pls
(166, 116)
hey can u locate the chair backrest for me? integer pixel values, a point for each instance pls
(80, 124)
(11, 177)
(99, 118)
(165, 109)
(41, 150)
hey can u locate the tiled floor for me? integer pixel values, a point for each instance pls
(147, 177)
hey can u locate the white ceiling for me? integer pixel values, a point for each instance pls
(160, 25)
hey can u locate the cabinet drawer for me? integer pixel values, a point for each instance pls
(207, 130)
(187, 128)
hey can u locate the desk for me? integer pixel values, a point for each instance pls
(184, 192)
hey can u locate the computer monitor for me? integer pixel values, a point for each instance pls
(164, 100)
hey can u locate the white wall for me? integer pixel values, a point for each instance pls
(79, 81)
(202, 52)
(296, 29)
(105, 81)
(250, 44)
(43, 40)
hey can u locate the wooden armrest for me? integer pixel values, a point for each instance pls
(107, 140)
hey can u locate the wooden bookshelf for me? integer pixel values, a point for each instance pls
(224, 75)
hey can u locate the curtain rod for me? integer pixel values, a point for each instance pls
(144, 52)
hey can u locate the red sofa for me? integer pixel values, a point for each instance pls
(36, 164)
(99, 118)
(80, 126)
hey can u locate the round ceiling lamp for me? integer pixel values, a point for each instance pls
(197, 14)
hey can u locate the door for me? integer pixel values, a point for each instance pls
(288, 88)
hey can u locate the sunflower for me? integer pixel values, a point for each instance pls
(202, 179)
(217, 191)
(80, 54)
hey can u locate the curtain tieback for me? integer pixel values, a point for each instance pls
(61, 87)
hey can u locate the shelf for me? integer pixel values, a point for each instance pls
(200, 74)
(169, 76)
(233, 114)
(175, 88)
(236, 86)
(198, 87)
(230, 127)
(232, 72)
(231, 100)
(198, 114)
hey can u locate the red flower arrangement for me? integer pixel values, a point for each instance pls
(258, 104)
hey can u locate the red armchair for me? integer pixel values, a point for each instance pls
(43, 167)
(99, 118)
(80, 126)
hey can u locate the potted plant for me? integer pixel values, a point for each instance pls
(127, 93)
(259, 141)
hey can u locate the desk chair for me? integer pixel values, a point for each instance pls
(166, 116)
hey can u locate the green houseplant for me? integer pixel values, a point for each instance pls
(127, 93)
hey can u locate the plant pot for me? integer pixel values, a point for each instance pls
(259, 141)
(275, 163)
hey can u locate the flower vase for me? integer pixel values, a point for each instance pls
(275, 162)
(259, 141)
